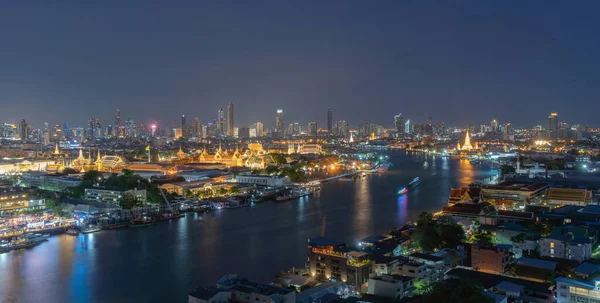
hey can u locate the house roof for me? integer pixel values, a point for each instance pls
(490, 280)
(530, 262)
(587, 269)
(509, 287)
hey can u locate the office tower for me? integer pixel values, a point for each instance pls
(244, 133)
(312, 128)
(399, 123)
(23, 130)
(220, 121)
(279, 121)
(553, 125)
(330, 120)
(182, 121)
(342, 128)
(118, 119)
(196, 128)
(290, 129)
(260, 129)
(494, 125)
(230, 124)
(407, 126)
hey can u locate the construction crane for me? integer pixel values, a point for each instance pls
(166, 200)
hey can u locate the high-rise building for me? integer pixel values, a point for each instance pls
(494, 126)
(279, 121)
(342, 128)
(23, 130)
(407, 127)
(182, 121)
(329, 120)
(230, 125)
(244, 133)
(196, 128)
(220, 121)
(260, 129)
(553, 125)
(118, 119)
(399, 123)
(312, 128)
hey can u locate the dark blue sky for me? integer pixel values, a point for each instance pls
(462, 62)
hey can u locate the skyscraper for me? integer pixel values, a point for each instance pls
(342, 127)
(330, 121)
(399, 123)
(118, 118)
(553, 124)
(182, 121)
(407, 127)
(230, 126)
(494, 125)
(220, 121)
(196, 128)
(23, 130)
(260, 129)
(279, 121)
(312, 128)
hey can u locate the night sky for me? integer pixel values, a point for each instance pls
(460, 62)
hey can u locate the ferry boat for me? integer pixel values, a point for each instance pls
(345, 179)
(90, 229)
(142, 221)
(72, 232)
(24, 241)
(282, 198)
(414, 183)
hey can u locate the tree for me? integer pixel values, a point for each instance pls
(451, 235)
(507, 169)
(93, 175)
(279, 159)
(484, 238)
(50, 203)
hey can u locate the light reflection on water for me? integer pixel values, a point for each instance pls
(162, 263)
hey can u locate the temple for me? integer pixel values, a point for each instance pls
(467, 146)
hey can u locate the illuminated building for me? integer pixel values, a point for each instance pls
(333, 260)
(399, 124)
(490, 258)
(19, 200)
(407, 127)
(8, 131)
(177, 133)
(230, 122)
(494, 126)
(553, 125)
(342, 128)
(23, 130)
(309, 148)
(220, 122)
(279, 121)
(312, 128)
(329, 120)
(467, 146)
(111, 195)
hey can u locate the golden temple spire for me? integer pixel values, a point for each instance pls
(56, 152)
(467, 145)
(98, 159)
(81, 154)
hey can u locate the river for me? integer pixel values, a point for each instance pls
(162, 263)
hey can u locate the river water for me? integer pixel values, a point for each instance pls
(162, 263)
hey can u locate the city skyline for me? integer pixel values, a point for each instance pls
(416, 58)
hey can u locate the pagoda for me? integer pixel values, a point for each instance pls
(467, 145)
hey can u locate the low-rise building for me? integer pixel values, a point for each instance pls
(18, 199)
(490, 258)
(240, 290)
(515, 191)
(566, 246)
(272, 181)
(112, 195)
(391, 286)
(333, 260)
(46, 181)
(568, 196)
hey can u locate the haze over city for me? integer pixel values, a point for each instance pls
(460, 63)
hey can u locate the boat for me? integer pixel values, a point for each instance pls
(90, 229)
(142, 221)
(23, 241)
(282, 198)
(425, 164)
(345, 179)
(414, 183)
(72, 232)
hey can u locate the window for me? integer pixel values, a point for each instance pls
(551, 244)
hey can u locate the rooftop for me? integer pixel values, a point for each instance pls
(509, 287)
(587, 269)
(569, 194)
(517, 185)
(490, 280)
(322, 241)
(536, 263)
(471, 208)
(393, 278)
(206, 292)
(427, 257)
